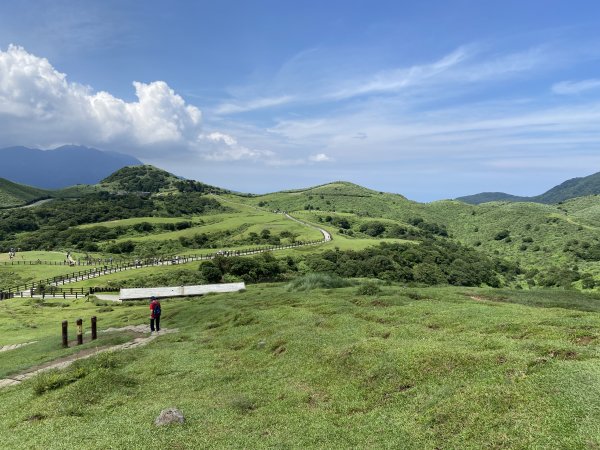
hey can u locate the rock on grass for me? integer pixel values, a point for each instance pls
(169, 416)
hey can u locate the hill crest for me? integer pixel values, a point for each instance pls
(572, 188)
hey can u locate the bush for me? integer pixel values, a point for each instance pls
(211, 273)
(502, 235)
(317, 281)
(368, 289)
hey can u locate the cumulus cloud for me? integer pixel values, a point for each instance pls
(39, 106)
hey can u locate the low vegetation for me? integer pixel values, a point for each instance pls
(449, 367)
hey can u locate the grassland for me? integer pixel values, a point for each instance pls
(538, 232)
(14, 194)
(407, 368)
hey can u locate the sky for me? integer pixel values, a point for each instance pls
(429, 99)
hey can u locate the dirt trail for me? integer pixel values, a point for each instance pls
(61, 363)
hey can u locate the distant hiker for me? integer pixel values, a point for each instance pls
(155, 312)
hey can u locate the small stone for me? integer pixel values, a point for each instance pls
(168, 416)
(261, 344)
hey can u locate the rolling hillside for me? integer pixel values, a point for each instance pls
(14, 194)
(575, 187)
(531, 233)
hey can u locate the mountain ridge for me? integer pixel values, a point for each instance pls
(61, 167)
(571, 188)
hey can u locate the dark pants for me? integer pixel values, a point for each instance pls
(155, 321)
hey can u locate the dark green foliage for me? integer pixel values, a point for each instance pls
(557, 276)
(502, 235)
(583, 250)
(141, 179)
(196, 186)
(210, 272)
(368, 289)
(121, 247)
(263, 267)
(434, 261)
(373, 229)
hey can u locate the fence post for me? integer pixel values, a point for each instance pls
(94, 330)
(65, 334)
(79, 331)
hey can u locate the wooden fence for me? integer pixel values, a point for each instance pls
(26, 290)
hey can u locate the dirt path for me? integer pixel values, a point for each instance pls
(66, 361)
(6, 348)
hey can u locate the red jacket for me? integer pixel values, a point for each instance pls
(154, 303)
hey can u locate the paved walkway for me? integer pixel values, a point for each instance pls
(63, 363)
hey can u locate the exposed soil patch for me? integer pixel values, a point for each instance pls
(279, 350)
(585, 340)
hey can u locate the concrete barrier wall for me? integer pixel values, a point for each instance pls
(179, 291)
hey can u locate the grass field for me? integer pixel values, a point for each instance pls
(407, 368)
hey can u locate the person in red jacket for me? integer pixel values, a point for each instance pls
(155, 311)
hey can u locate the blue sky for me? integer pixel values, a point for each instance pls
(430, 99)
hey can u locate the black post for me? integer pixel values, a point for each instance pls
(79, 331)
(94, 329)
(65, 334)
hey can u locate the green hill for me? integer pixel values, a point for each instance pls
(531, 233)
(485, 197)
(575, 187)
(14, 194)
(151, 179)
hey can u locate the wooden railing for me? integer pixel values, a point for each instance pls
(28, 289)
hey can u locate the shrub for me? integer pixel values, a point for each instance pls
(502, 235)
(368, 289)
(211, 273)
(317, 281)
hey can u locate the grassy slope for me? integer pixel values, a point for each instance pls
(550, 226)
(14, 194)
(431, 368)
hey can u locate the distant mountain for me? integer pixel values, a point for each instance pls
(575, 187)
(61, 167)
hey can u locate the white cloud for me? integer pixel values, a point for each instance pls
(222, 147)
(320, 157)
(40, 107)
(575, 87)
(252, 105)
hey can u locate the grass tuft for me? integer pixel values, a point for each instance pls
(317, 281)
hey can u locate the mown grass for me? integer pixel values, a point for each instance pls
(407, 368)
